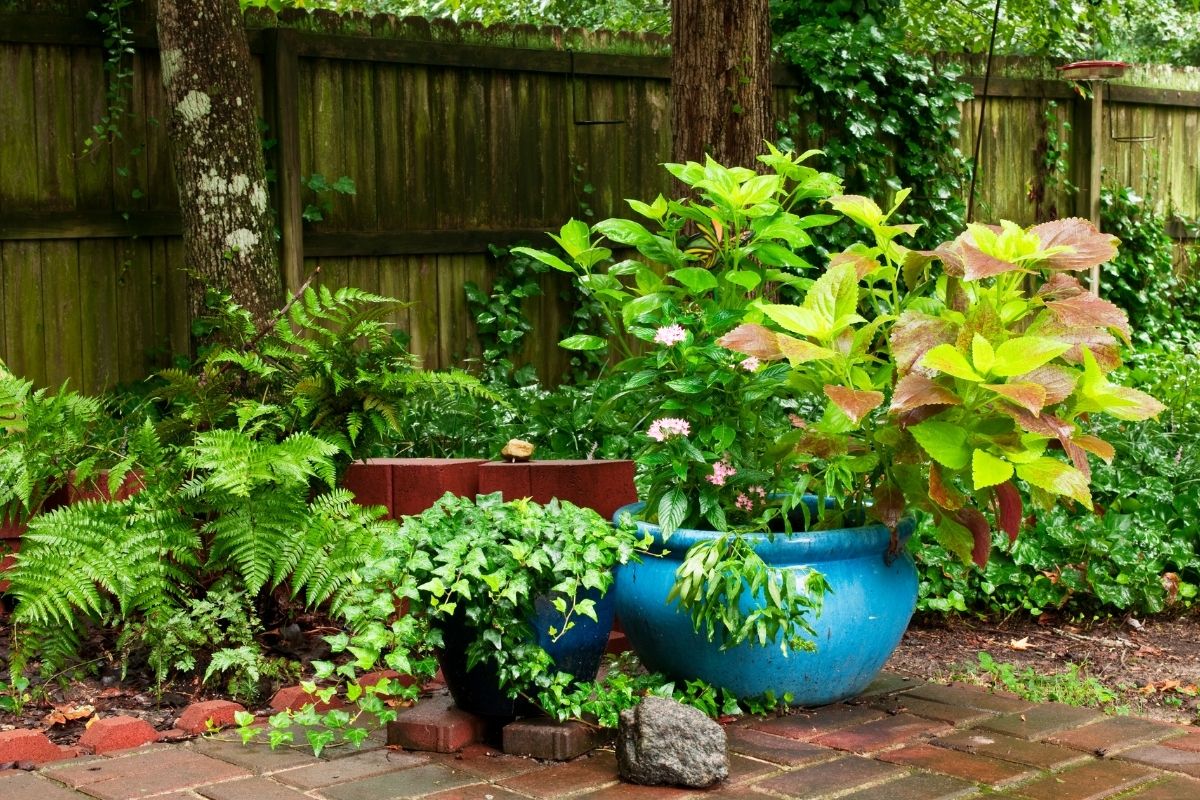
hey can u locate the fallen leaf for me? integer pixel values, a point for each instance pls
(61, 715)
(1020, 644)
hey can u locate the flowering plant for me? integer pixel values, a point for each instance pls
(956, 381)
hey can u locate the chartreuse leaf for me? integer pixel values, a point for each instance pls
(798, 319)
(1057, 477)
(945, 358)
(834, 296)
(982, 354)
(988, 470)
(1122, 402)
(546, 258)
(1026, 353)
(945, 442)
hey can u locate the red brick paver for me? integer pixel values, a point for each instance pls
(1094, 780)
(903, 743)
(968, 766)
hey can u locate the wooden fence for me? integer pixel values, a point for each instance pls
(456, 138)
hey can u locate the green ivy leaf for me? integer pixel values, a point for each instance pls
(1025, 354)
(946, 358)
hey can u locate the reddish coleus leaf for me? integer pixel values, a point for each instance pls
(978, 264)
(915, 390)
(981, 532)
(918, 415)
(914, 334)
(1052, 426)
(1097, 446)
(1088, 246)
(863, 265)
(1061, 286)
(821, 445)
(856, 403)
(943, 493)
(914, 265)
(1058, 382)
(1089, 311)
(1104, 345)
(1031, 396)
(753, 340)
(888, 507)
(1008, 509)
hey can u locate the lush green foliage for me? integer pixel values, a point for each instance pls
(750, 404)
(883, 117)
(1141, 555)
(1142, 279)
(236, 459)
(623, 15)
(486, 564)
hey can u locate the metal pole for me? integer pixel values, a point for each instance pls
(1096, 157)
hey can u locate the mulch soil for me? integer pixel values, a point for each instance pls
(1153, 665)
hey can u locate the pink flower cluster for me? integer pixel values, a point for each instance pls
(750, 363)
(754, 495)
(722, 471)
(663, 429)
(670, 334)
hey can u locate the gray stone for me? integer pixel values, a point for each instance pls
(664, 743)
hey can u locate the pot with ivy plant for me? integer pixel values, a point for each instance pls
(799, 416)
(517, 591)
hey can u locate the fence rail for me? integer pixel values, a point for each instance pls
(457, 138)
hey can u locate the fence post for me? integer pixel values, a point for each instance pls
(282, 98)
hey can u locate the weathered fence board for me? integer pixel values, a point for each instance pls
(457, 138)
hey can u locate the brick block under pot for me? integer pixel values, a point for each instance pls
(603, 486)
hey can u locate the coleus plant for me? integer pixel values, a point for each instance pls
(960, 386)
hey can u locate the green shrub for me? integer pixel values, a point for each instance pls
(1140, 553)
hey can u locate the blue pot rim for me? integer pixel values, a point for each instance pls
(838, 544)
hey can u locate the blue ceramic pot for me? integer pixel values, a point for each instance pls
(864, 615)
(577, 652)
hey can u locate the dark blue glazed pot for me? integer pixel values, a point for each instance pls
(864, 615)
(577, 652)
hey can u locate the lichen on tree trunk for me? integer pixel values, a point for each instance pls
(228, 235)
(720, 80)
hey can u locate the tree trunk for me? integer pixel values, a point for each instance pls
(720, 80)
(228, 236)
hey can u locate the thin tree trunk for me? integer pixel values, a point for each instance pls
(228, 236)
(720, 80)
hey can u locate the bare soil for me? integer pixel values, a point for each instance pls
(1152, 665)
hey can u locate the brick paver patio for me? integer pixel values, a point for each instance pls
(899, 741)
